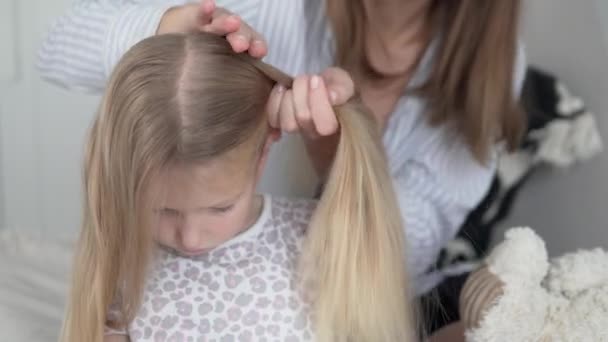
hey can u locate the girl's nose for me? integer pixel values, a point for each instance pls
(191, 237)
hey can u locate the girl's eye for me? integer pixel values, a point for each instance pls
(221, 210)
(168, 212)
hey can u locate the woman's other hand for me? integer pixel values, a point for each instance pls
(307, 106)
(205, 16)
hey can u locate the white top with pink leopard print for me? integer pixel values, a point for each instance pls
(243, 290)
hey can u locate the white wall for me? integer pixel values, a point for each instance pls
(602, 11)
(42, 129)
(570, 38)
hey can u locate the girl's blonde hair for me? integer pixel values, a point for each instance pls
(189, 98)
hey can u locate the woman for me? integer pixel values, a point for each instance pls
(441, 78)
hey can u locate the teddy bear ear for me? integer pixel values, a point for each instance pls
(478, 295)
(522, 257)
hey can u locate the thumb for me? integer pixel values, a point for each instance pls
(340, 85)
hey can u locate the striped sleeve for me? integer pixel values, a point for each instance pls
(248, 10)
(437, 188)
(431, 218)
(84, 44)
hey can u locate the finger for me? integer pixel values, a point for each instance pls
(223, 24)
(274, 105)
(240, 40)
(258, 47)
(287, 117)
(300, 101)
(206, 12)
(247, 39)
(323, 115)
(339, 84)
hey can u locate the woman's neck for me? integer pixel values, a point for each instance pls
(396, 19)
(396, 33)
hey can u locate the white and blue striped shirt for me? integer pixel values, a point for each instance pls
(437, 179)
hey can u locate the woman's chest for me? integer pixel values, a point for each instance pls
(252, 300)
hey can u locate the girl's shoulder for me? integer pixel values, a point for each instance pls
(289, 217)
(291, 210)
(287, 222)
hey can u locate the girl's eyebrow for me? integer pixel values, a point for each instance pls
(223, 203)
(165, 208)
(219, 204)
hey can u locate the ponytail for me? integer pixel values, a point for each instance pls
(354, 255)
(353, 261)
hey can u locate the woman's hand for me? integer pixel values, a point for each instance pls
(307, 106)
(205, 16)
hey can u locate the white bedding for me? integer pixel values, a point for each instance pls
(34, 277)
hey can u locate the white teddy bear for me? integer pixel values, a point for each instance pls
(521, 296)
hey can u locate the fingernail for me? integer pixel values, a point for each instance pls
(279, 88)
(314, 82)
(333, 96)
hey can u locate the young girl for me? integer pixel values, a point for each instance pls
(176, 245)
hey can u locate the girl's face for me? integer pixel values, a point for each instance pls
(203, 206)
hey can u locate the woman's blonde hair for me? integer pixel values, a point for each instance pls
(189, 98)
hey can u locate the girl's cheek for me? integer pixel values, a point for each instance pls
(162, 231)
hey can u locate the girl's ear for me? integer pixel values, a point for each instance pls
(274, 135)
